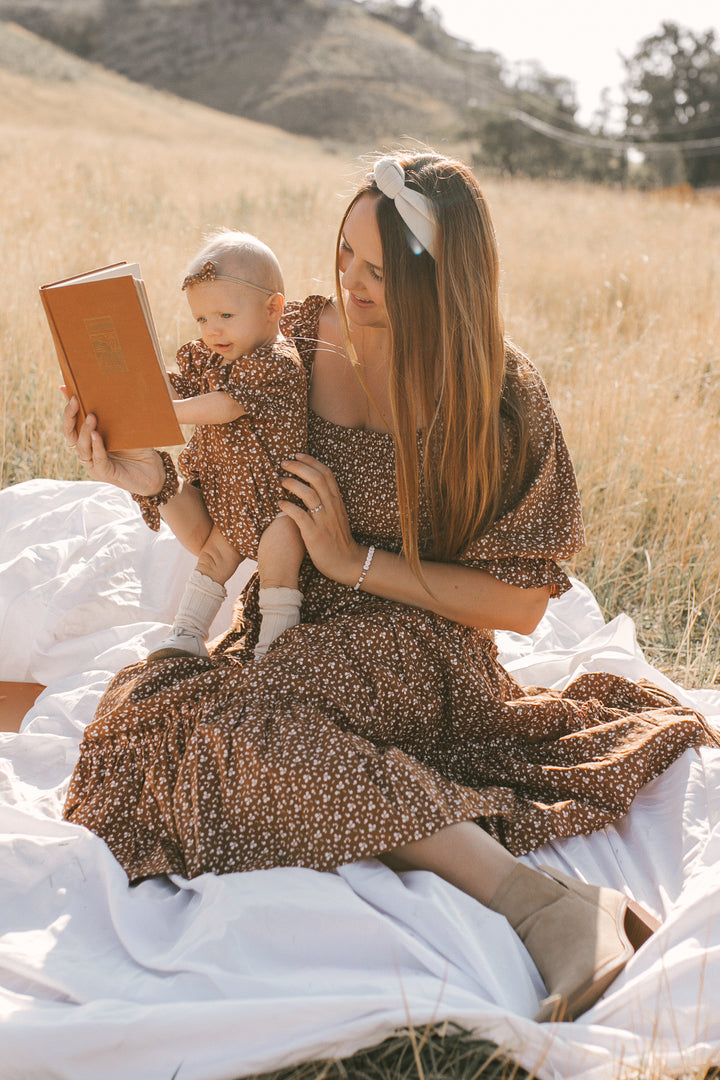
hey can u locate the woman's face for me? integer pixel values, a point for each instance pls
(360, 260)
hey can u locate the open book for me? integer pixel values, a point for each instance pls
(110, 356)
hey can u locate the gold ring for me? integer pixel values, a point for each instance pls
(314, 509)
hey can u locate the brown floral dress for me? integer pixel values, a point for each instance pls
(372, 723)
(237, 465)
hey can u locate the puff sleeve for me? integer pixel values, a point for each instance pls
(544, 524)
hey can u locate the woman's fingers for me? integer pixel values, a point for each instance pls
(311, 481)
(70, 412)
(309, 495)
(311, 470)
(324, 522)
(79, 438)
(87, 444)
(84, 444)
(100, 461)
(133, 470)
(300, 517)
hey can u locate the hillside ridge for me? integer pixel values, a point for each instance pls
(324, 68)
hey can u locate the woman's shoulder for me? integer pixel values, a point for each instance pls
(302, 320)
(302, 316)
(525, 387)
(540, 517)
(520, 370)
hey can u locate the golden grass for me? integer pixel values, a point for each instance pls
(446, 1052)
(96, 171)
(613, 294)
(615, 297)
(437, 1052)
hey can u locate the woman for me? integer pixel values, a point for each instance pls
(436, 498)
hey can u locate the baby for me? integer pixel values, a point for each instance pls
(245, 388)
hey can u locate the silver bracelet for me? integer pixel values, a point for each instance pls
(366, 567)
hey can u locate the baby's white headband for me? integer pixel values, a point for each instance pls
(414, 208)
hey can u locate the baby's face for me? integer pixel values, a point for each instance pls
(232, 319)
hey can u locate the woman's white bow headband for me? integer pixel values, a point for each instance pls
(414, 208)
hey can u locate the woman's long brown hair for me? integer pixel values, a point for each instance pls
(447, 371)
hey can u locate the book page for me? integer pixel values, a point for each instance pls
(122, 269)
(145, 304)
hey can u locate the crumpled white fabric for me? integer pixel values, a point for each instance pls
(220, 977)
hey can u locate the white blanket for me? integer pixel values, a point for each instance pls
(220, 977)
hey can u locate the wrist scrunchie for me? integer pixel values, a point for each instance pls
(149, 503)
(414, 208)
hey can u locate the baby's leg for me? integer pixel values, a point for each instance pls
(218, 559)
(201, 601)
(280, 553)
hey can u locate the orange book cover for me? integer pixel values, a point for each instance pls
(16, 698)
(110, 356)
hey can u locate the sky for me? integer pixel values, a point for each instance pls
(574, 38)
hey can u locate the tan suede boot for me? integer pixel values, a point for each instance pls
(580, 936)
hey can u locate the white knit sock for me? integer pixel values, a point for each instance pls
(280, 609)
(200, 604)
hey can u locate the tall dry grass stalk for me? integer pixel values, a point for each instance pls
(613, 294)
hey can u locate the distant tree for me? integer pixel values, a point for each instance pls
(672, 91)
(510, 147)
(511, 144)
(553, 94)
(419, 20)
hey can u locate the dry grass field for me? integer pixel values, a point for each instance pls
(614, 295)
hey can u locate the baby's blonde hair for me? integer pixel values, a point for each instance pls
(239, 254)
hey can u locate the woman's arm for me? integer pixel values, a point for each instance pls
(464, 594)
(140, 472)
